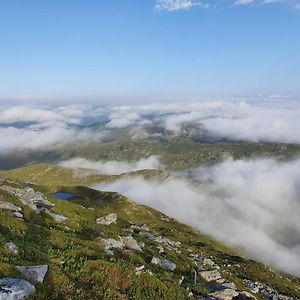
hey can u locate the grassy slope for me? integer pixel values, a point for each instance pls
(45, 174)
(80, 269)
(175, 153)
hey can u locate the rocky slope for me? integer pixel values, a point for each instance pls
(72, 242)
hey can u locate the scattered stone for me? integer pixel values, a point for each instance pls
(230, 285)
(107, 220)
(244, 296)
(56, 217)
(35, 274)
(9, 206)
(143, 227)
(208, 261)
(166, 264)
(140, 268)
(131, 243)
(111, 243)
(109, 252)
(15, 289)
(181, 280)
(226, 294)
(11, 248)
(17, 215)
(212, 275)
(148, 235)
(168, 241)
(160, 249)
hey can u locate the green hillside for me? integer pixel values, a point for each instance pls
(81, 267)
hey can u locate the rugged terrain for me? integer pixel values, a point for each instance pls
(62, 240)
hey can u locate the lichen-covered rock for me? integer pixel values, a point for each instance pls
(107, 220)
(9, 206)
(212, 275)
(226, 294)
(166, 264)
(15, 289)
(131, 243)
(244, 296)
(11, 248)
(29, 197)
(111, 243)
(34, 274)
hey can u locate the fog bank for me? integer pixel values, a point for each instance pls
(253, 205)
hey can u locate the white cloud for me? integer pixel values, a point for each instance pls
(297, 6)
(244, 2)
(173, 5)
(113, 167)
(253, 205)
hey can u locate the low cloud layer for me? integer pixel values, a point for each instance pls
(34, 128)
(113, 167)
(253, 205)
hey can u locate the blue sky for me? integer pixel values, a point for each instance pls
(147, 49)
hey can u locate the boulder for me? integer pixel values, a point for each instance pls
(166, 264)
(11, 248)
(15, 289)
(107, 220)
(212, 275)
(111, 243)
(131, 243)
(27, 196)
(9, 206)
(35, 274)
(244, 296)
(226, 294)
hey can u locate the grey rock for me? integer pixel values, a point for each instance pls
(143, 227)
(212, 275)
(111, 243)
(34, 274)
(56, 217)
(17, 215)
(131, 243)
(167, 241)
(27, 196)
(160, 249)
(148, 235)
(230, 285)
(107, 220)
(9, 206)
(166, 264)
(15, 289)
(109, 252)
(11, 248)
(226, 294)
(244, 296)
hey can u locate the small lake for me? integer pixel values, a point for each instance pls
(63, 196)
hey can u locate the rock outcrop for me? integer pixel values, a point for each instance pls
(166, 264)
(35, 274)
(130, 243)
(107, 220)
(15, 289)
(9, 206)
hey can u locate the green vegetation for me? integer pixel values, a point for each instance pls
(79, 268)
